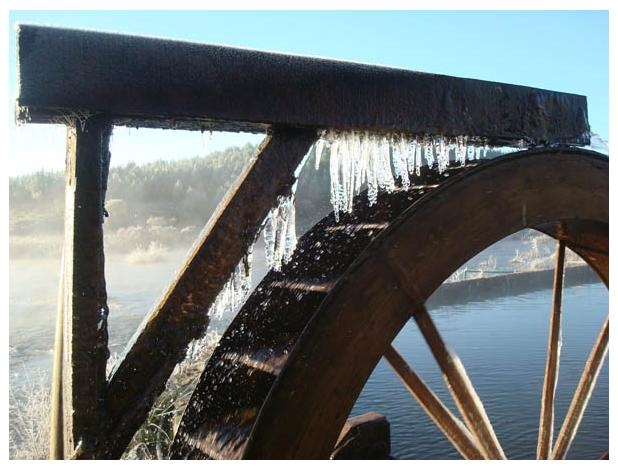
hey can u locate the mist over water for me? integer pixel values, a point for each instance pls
(502, 343)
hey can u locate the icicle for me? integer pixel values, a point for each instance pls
(400, 162)
(470, 152)
(385, 175)
(280, 233)
(428, 150)
(461, 149)
(197, 348)
(372, 173)
(363, 164)
(442, 153)
(289, 243)
(358, 166)
(235, 290)
(270, 235)
(319, 148)
(377, 160)
(345, 172)
(410, 154)
(418, 160)
(334, 178)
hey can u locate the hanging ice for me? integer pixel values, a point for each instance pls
(428, 151)
(280, 233)
(235, 290)
(319, 148)
(401, 163)
(442, 153)
(461, 150)
(598, 144)
(385, 174)
(377, 161)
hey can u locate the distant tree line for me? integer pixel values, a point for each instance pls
(180, 193)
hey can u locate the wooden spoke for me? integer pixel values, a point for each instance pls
(546, 422)
(461, 388)
(582, 393)
(450, 426)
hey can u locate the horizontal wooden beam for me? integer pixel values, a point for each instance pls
(172, 84)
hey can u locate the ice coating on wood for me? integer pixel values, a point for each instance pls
(280, 232)
(377, 161)
(280, 224)
(235, 290)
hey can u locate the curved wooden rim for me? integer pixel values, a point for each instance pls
(564, 192)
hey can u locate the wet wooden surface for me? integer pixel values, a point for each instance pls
(180, 85)
(85, 299)
(181, 315)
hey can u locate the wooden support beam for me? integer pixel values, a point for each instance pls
(174, 84)
(85, 308)
(181, 315)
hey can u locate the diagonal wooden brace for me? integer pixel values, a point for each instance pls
(166, 332)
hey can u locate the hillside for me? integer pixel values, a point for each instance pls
(163, 202)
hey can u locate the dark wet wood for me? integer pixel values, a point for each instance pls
(450, 425)
(546, 422)
(364, 437)
(173, 84)
(85, 299)
(360, 317)
(582, 394)
(163, 339)
(261, 336)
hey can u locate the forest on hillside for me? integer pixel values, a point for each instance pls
(164, 202)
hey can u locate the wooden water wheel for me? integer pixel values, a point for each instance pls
(288, 370)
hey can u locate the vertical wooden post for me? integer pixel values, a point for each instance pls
(85, 308)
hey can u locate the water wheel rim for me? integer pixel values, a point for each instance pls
(305, 406)
(285, 416)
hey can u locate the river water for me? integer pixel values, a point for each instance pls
(501, 342)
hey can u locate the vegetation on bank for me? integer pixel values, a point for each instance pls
(156, 205)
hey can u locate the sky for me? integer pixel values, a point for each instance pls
(558, 50)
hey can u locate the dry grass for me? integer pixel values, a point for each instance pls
(29, 406)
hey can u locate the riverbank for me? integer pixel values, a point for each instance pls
(510, 284)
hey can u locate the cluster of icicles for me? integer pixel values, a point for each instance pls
(361, 158)
(357, 159)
